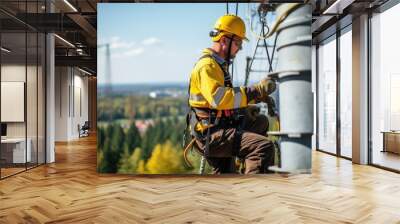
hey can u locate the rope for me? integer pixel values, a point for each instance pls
(273, 50)
(278, 21)
(237, 8)
(281, 18)
(264, 35)
(263, 25)
(227, 8)
(186, 150)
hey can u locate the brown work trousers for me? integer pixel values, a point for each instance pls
(254, 147)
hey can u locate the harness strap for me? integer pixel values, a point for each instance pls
(227, 81)
(222, 118)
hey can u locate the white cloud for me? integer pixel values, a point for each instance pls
(151, 41)
(134, 52)
(131, 53)
(123, 49)
(121, 45)
(117, 43)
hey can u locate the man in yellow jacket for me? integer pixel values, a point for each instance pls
(217, 120)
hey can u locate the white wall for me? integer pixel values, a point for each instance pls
(71, 94)
(62, 81)
(80, 110)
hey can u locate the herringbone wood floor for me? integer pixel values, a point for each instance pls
(70, 191)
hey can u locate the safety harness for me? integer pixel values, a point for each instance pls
(216, 119)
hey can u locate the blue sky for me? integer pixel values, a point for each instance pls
(160, 43)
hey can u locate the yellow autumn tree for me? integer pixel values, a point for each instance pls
(165, 159)
(141, 169)
(130, 163)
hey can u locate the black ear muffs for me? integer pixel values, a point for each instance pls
(214, 33)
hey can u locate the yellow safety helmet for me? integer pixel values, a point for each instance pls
(228, 24)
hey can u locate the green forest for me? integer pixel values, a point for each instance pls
(158, 150)
(114, 107)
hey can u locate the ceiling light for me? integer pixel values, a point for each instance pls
(338, 6)
(64, 40)
(70, 5)
(84, 71)
(79, 51)
(5, 50)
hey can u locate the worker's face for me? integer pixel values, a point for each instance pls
(235, 46)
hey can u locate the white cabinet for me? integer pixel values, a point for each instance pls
(17, 145)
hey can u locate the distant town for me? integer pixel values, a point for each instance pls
(151, 90)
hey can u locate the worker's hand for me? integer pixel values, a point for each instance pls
(252, 112)
(271, 106)
(264, 88)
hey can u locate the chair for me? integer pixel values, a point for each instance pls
(84, 130)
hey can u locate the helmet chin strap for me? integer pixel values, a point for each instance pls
(228, 56)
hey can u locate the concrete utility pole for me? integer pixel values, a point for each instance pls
(108, 89)
(108, 82)
(295, 95)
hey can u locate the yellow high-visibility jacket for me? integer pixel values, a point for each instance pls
(208, 90)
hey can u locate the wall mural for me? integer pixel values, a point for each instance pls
(227, 90)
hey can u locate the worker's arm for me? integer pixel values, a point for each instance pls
(217, 95)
